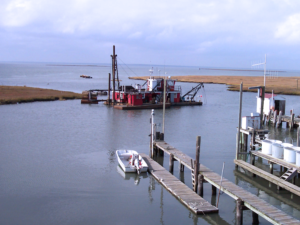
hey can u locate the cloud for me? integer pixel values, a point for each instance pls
(289, 30)
(206, 27)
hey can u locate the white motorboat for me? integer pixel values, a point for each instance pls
(130, 161)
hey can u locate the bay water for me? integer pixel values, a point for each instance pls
(58, 163)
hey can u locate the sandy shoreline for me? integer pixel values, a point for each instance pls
(280, 85)
(21, 94)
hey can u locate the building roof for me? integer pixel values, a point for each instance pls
(269, 95)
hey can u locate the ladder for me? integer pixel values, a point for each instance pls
(289, 174)
(193, 173)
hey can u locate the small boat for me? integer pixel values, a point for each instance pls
(130, 161)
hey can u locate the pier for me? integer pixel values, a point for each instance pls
(183, 193)
(244, 199)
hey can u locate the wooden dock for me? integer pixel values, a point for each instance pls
(273, 160)
(182, 192)
(269, 177)
(250, 201)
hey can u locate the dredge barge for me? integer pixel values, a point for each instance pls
(151, 95)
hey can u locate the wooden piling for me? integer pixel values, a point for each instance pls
(279, 123)
(239, 211)
(108, 93)
(245, 142)
(253, 162)
(157, 136)
(292, 121)
(253, 139)
(298, 131)
(164, 106)
(197, 161)
(161, 137)
(255, 220)
(213, 190)
(113, 74)
(171, 163)
(181, 167)
(200, 184)
(271, 168)
(262, 105)
(239, 127)
(275, 117)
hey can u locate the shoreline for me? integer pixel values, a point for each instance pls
(23, 94)
(280, 85)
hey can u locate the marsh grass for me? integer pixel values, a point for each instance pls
(280, 85)
(23, 94)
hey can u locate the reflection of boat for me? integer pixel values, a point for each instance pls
(130, 161)
(128, 176)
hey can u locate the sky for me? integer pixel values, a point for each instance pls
(204, 33)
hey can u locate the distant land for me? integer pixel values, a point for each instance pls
(21, 94)
(280, 85)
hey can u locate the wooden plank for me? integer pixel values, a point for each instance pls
(251, 201)
(280, 162)
(270, 177)
(183, 193)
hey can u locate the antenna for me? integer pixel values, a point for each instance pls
(265, 65)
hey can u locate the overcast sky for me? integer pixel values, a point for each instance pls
(213, 33)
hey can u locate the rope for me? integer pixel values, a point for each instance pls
(128, 67)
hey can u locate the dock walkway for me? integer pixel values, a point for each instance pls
(251, 201)
(182, 192)
(269, 177)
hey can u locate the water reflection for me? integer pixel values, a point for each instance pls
(269, 194)
(127, 176)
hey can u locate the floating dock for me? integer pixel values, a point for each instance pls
(245, 200)
(182, 192)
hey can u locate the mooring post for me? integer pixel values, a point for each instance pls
(239, 127)
(164, 108)
(108, 93)
(213, 190)
(253, 139)
(113, 74)
(255, 220)
(298, 130)
(275, 118)
(181, 167)
(200, 184)
(245, 142)
(197, 161)
(253, 162)
(152, 132)
(292, 121)
(262, 105)
(271, 168)
(239, 211)
(171, 163)
(278, 124)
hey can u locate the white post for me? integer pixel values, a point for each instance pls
(265, 70)
(164, 105)
(239, 127)
(152, 127)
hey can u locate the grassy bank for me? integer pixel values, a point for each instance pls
(280, 85)
(18, 94)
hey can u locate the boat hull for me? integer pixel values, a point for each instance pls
(123, 157)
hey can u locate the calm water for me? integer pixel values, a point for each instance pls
(58, 163)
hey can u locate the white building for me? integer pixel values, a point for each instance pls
(271, 102)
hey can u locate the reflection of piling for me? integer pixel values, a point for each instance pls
(108, 97)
